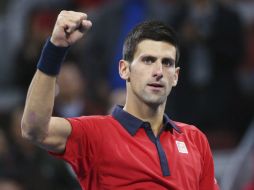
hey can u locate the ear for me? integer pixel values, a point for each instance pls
(176, 75)
(124, 70)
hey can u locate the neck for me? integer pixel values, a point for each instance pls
(148, 113)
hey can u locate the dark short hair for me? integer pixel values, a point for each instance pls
(153, 30)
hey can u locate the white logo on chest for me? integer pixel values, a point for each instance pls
(181, 147)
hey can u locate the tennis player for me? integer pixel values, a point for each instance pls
(137, 146)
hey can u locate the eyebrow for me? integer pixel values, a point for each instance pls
(154, 57)
(169, 59)
(148, 56)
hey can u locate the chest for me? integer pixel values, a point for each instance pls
(135, 159)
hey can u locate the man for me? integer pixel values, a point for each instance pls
(138, 146)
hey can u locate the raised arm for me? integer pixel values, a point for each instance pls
(37, 124)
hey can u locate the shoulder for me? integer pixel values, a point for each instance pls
(91, 124)
(90, 120)
(187, 128)
(91, 128)
(192, 134)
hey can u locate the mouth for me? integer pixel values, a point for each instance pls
(156, 85)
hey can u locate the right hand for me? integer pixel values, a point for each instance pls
(70, 26)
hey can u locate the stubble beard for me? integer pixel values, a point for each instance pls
(152, 100)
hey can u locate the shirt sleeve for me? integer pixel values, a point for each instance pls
(208, 181)
(82, 146)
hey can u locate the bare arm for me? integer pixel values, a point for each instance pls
(37, 124)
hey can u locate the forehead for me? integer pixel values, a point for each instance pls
(155, 48)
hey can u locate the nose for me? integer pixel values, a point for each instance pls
(158, 72)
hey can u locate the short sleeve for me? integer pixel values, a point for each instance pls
(82, 146)
(208, 181)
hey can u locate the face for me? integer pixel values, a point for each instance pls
(152, 73)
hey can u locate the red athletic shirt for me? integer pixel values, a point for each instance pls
(120, 152)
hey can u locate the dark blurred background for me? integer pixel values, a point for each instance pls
(215, 90)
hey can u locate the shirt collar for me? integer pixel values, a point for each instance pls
(132, 124)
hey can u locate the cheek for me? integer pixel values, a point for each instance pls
(171, 77)
(169, 74)
(137, 74)
(138, 79)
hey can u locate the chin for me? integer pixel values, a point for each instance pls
(151, 99)
(156, 102)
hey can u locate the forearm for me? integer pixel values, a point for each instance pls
(40, 96)
(37, 123)
(38, 107)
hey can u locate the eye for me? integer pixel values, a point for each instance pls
(168, 62)
(148, 60)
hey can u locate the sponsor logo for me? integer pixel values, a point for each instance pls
(181, 147)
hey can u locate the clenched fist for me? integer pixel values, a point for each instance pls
(70, 26)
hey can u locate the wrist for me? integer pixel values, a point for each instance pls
(51, 58)
(58, 43)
